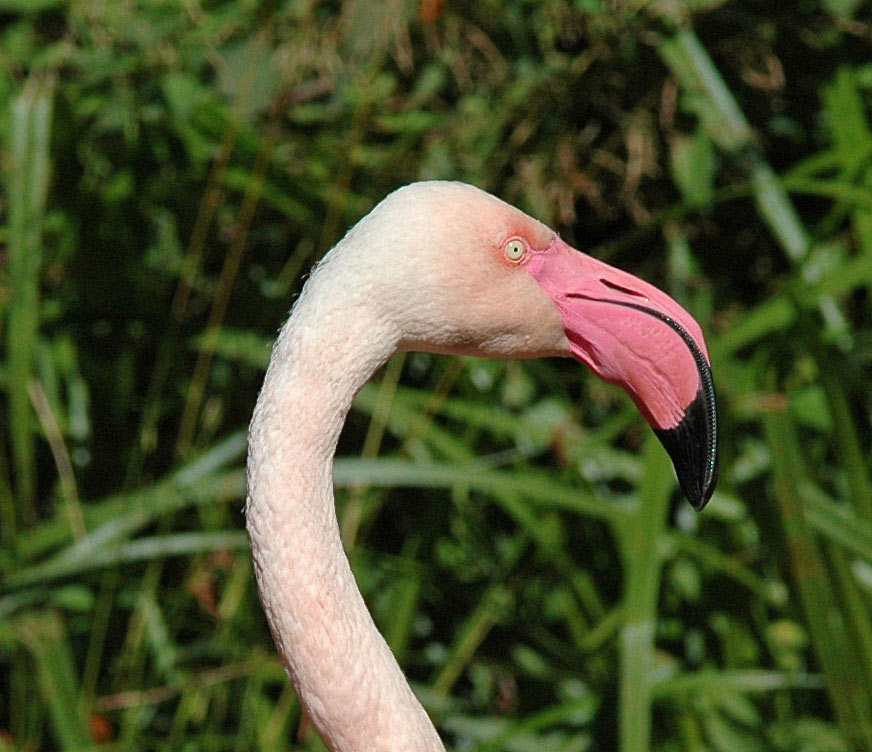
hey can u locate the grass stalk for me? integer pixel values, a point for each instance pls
(45, 639)
(496, 600)
(836, 522)
(353, 513)
(227, 279)
(857, 611)
(846, 436)
(824, 614)
(406, 602)
(641, 539)
(67, 479)
(27, 185)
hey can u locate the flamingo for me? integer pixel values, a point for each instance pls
(442, 267)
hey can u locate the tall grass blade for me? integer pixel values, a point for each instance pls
(44, 637)
(493, 605)
(846, 684)
(847, 438)
(142, 549)
(857, 609)
(641, 548)
(27, 185)
(836, 522)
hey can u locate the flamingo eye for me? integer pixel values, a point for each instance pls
(514, 250)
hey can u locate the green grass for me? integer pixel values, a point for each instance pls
(26, 188)
(170, 173)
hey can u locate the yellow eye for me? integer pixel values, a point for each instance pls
(514, 250)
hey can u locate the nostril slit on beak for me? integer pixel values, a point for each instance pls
(620, 288)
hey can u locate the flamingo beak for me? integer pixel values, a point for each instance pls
(632, 334)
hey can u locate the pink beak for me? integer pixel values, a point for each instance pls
(632, 334)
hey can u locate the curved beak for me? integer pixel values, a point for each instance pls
(632, 334)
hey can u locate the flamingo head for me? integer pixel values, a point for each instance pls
(461, 271)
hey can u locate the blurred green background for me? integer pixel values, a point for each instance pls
(171, 169)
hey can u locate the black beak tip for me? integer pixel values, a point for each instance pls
(693, 447)
(697, 495)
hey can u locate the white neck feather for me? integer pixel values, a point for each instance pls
(344, 672)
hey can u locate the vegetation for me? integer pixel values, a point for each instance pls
(171, 170)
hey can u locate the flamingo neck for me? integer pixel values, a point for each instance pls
(345, 674)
